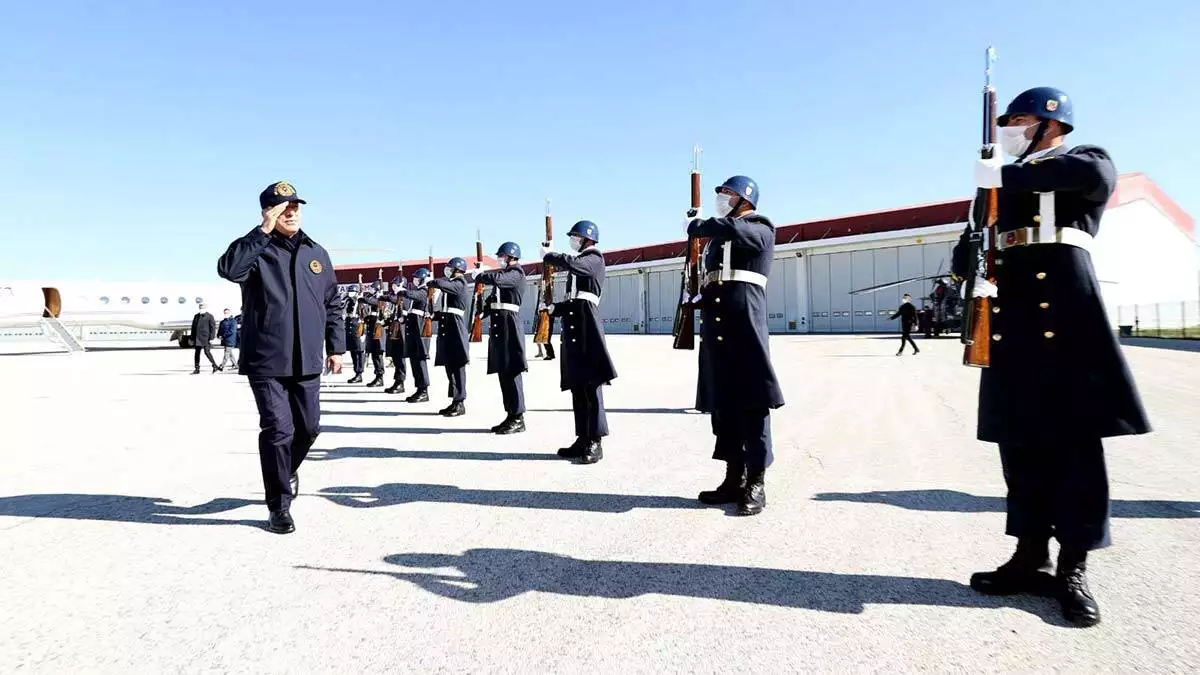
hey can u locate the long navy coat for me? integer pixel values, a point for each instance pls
(735, 371)
(584, 359)
(284, 279)
(1057, 371)
(452, 334)
(506, 341)
(417, 301)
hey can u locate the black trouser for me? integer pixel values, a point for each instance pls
(458, 382)
(401, 370)
(1057, 489)
(549, 349)
(207, 349)
(744, 436)
(377, 363)
(906, 336)
(357, 359)
(590, 420)
(420, 371)
(513, 392)
(289, 419)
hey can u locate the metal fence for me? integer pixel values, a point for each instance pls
(1160, 319)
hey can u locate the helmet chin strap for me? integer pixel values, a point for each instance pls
(1038, 134)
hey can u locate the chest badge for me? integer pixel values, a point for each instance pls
(315, 266)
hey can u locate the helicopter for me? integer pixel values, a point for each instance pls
(944, 303)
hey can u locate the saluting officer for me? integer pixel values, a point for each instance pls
(1057, 382)
(376, 328)
(737, 382)
(416, 348)
(585, 366)
(395, 334)
(506, 345)
(452, 334)
(292, 330)
(354, 339)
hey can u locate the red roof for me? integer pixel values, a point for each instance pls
(1130, 188)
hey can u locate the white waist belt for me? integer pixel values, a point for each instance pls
(417, 312)
(504, 306)
(1027, 236)
(454, 310)
(744, 276)
(584, 295)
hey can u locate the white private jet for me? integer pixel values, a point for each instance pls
(72, 313)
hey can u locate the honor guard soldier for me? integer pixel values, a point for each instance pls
(506, 344)
(1057, 382)
(354, 339)
(737, 383)
(585, 366)
(451, 315)
(395, 334)
(292, 330)
(416, 348)
(376, 328)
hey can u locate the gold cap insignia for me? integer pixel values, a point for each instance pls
(1052, 105)
(283, 189)
(315, 266)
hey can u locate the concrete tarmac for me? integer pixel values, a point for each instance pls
(132, 540)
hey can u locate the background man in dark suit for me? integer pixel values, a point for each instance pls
(204, 329)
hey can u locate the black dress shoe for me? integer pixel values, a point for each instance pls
(377, 382)
(1078, 604)
(730, 489)
(503, 424)
(456, 409)
(420, 396)
(355, 380)
(281, 522)
(196, 371)
(573, 450)
(295, 483)
(1028, 571)
(591, 452)
(515, 425)
(753, 498)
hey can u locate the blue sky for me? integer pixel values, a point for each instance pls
(136, 136)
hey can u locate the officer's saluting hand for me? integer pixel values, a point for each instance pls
(292, 331)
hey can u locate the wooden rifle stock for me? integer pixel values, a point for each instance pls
(684, 328)
(477, 319)
(427, 327)
(541, 329)
(359, 311)
(977, 312)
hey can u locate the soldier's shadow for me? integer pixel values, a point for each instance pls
(335, 428)
(390, 453)
(487, 575)
(393, 494)
(952, 501)
(124, 509)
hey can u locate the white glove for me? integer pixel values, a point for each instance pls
(545, 248)
(684, 299)
(983, 289)
(987, 171)
(543, 307)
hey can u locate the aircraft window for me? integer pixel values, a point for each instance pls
(125, 301)
(163, 300)
(145, 300)
(182, 300)
(104, 299)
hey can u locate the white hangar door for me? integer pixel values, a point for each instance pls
(621, 303)
(662, 298)
(786, 301)
(818, 293)
(831, 277)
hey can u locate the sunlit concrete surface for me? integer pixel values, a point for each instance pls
(132, 540)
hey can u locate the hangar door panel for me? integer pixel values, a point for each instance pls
(818, 284)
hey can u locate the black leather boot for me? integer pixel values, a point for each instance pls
(456, 409)
(754, 495)
(573, 450)
(730, 489)
(377, 382)
(281, 522)
(356, 379)
(420, 396)
(1079, 606)
(1028, 571)
(515, 425)
(498, 427)
(591, 453)
(396, 388)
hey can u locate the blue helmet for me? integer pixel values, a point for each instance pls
(421, 273)
(586, 229)
(509, 249)
(1047, 103)
(744, 187)
(458, 264)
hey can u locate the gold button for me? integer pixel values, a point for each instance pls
(1037, 219)
(1044, 305)
(996, 337)
(1041, 275)
(995, 310)
(1049, 334)
(574, 340)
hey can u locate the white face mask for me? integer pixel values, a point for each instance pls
(576, 243)
(1013, 141)
(723, 207)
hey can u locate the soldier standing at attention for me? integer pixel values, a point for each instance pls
(1057, 382)
(506, 344)
(585, 366)
(292, 331)
(452, 349)
(354, 339)
(416, 348)
(395, 335)
(376, 330)
(737, 383)
(908, 316)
